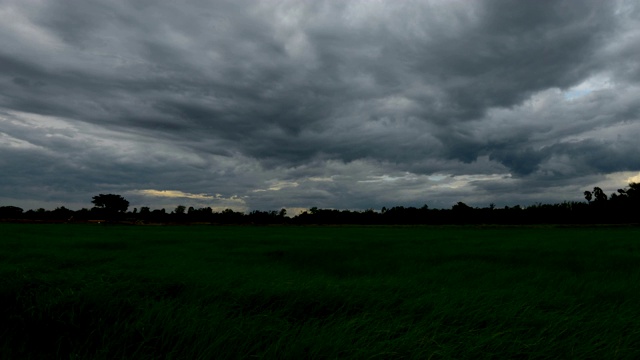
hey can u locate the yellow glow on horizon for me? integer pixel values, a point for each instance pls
(173, 194)
(635, 179)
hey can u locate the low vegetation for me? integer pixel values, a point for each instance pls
(80, 291)
(619, 208)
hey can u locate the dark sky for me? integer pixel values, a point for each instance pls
(335, 104)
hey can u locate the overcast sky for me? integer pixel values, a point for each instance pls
(260, 105)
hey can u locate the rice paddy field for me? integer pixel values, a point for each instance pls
(88, 291)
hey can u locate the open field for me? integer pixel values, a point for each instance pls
(204, 292)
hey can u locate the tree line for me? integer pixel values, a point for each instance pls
(622, 206)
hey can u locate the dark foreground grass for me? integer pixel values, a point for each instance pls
(205, 292)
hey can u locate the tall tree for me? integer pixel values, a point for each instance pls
(599, 195)
(180, 209)
(111, 203)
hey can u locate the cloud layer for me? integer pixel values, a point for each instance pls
(359, 104)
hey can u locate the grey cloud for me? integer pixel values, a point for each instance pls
(509, 52)
(288, 90)
(520, 161)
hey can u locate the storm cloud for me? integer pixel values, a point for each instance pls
(337, 104)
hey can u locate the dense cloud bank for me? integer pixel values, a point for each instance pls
(359, 104)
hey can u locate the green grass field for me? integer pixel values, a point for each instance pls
(209, 292)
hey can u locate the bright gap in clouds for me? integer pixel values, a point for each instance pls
(217, 202)
(173, 194)
(596, 83)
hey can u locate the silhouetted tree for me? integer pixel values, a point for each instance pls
(228, 216)
(82, 214)
(61, 213)
(110, 205)
(599, 195)
(10, 212)
(110, 202)
(460, 206)
(633, 192)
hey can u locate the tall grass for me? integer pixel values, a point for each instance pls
(203, 292)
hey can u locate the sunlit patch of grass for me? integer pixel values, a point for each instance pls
(201, 292)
